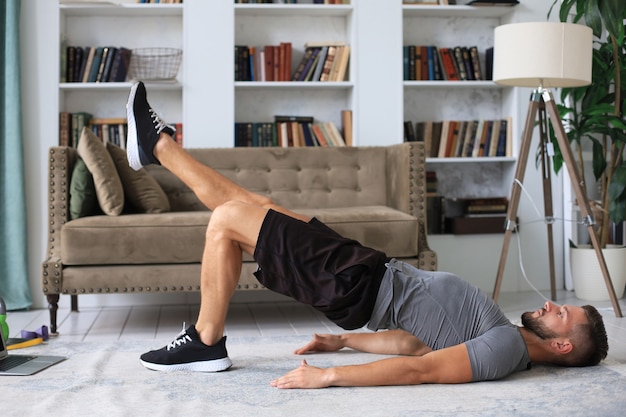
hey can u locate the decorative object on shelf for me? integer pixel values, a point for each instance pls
(155, 63)
(545, 55)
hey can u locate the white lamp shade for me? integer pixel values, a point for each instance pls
(544, 54)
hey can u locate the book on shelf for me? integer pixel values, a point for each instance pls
(475, 58)
(489, 63)
(306, 63)
(460, 63)
(346, 121)
(409, 132)
(178, 135)
(78, 121)
(328, 63)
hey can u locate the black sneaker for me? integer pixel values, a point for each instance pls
(144, 127)
(188, 353)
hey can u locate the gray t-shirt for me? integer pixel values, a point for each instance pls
(442, 310)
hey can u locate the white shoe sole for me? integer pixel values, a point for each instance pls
(202, 366)
(132, 147)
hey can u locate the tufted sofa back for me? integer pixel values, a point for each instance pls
(294, 177)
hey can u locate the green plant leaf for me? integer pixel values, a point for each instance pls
(593, 19)
(610, 12)
(598, 160)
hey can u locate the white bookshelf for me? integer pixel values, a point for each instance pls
(258, 25)
(123, 25)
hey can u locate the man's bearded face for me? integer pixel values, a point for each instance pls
(536, 325)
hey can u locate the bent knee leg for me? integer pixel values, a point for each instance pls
(236, 221)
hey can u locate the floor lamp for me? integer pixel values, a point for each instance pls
(545, 55)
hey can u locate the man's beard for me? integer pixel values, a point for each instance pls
(536, 326)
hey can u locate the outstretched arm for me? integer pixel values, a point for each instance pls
(391, 342)
(445, 366)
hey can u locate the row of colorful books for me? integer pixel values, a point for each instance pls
(461, 139)
(289, 131)
(459, 63)
(94, 64)
(321, 61)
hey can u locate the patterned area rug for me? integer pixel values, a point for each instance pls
(106, 379)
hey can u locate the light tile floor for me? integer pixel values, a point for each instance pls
(258, 319)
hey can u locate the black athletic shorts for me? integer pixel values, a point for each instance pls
(316, 266)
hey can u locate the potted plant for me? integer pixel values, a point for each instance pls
(593, 118)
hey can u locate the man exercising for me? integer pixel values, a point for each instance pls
(442, 329)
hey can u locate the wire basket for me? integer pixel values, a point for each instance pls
(155, 63)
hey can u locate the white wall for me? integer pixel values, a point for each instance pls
(39, 29)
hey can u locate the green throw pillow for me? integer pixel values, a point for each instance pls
(83, 200)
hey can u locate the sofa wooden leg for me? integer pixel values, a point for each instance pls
(53, 306)
(74, 302)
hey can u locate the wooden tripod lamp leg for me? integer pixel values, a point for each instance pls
(520, 170)
(581, 196)
(547, 195)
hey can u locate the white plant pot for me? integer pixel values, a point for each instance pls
(586, 274)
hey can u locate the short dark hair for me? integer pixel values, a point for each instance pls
(589, 340)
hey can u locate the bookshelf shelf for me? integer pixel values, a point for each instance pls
(292, 10)
(271, 85)
(477, 160)
(82, 9)
(451, 84)
(456, 11)
(113, 86)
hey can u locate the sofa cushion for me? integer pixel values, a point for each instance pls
(140, 188)
(178, 237)
(108, 185)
